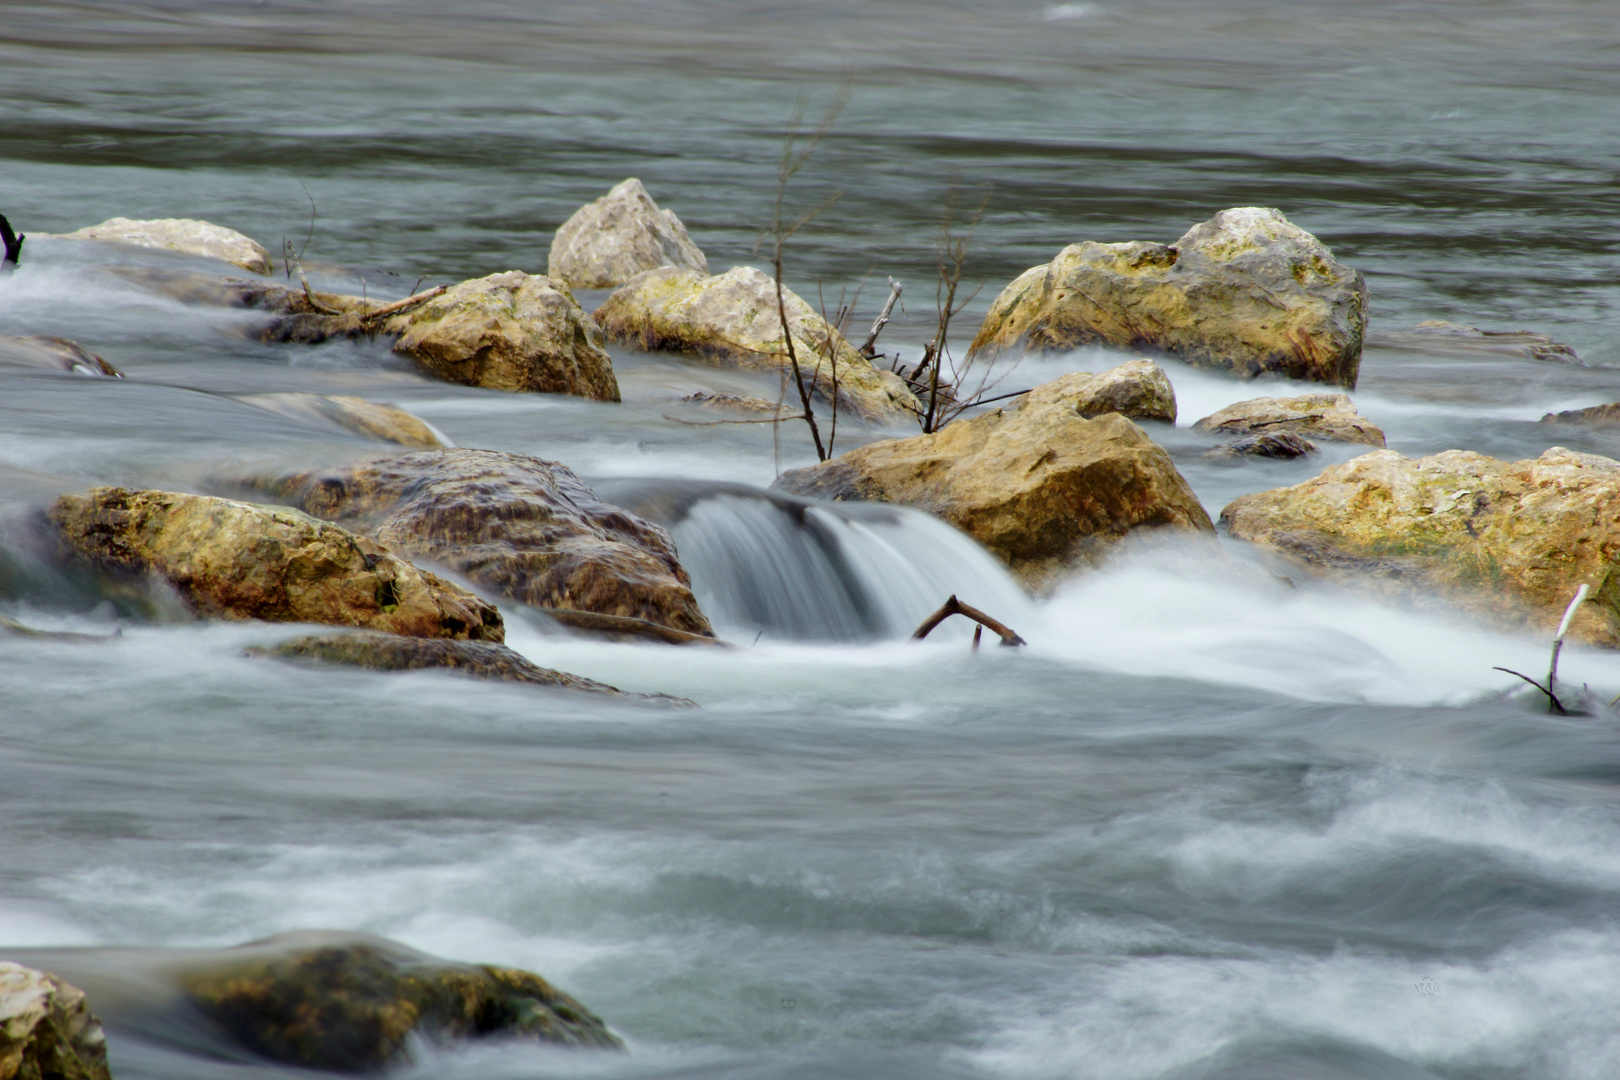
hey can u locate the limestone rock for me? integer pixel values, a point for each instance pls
(53, 354)
(522, 527)
(1507, 541)
(610, 241)
(351, 1004)
(237, 560)
(1044, 489)
(388, 423)
(185, 235)
(1247, 291)
(1596, 415)
(1280, 445)
(47, 1032)
(1326, 416)
(1138, 389)
(510, 331)
(733, 319)
(1455, 339)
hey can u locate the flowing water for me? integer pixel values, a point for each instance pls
(1204, 826)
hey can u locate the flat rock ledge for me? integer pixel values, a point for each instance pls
(1322, 416)
(607, 242)
(1246, 291)
(236, 560)
(1508, 541)
(47, 1031)
(187, 235)
(1046, 490)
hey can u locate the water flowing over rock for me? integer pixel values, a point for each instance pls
(53, 354)
(525, 528)
(733, 319)
(184, 235)
(351, 1004)
(608, 242)
(1455, 339)
(1043, 488)
(371, 419)
(1247, 291)
(1593, 416)
(47, 1031)
(1325, 416)
(1507, 541)
(237, 560)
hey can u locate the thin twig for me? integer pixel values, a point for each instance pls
(406, 304)
(1563, 628)
(1557, 706)
(870, 345)
(953, 606)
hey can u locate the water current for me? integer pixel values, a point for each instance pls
(1205, 826)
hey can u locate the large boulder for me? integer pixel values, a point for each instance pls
(1324, 416)
(185, 235)
(1043, 488)
(354, 1004)
(369, 419)
(237, 560)
(47, 1032)
(44, 353)
(1247, 291)
(610, 241)
(519, 526)
(1510, 541)
(733, 319)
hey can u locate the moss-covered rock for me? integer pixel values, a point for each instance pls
(47, 1031)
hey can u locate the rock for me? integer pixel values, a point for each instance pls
(1044, 489)
(53, 354)
(352, 1004)
(1246, 291)
(733, 319)
(742, 403)
(388, 423)
(510, 331)
(1281, 444)
(1138, 389)
(610, 241)
(47, 1032)
(524, 528)
(1596, 415)
(237, 560)
(1455, 339)
(1326, 416)
(191, 287)
(184, 235)
(1507, 541)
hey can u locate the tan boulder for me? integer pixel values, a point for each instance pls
(1043, 488)
(53, 354)
(1246, 291)
(237, 560)
(1593, 416)
(370, 419)
(184, 235)
(608, 242)
(1509, 541)
(47, 1032)
(1324, 416)
(733, 319)
(522, 527)
(1138, 389)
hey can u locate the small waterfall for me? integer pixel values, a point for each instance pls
(763, 562)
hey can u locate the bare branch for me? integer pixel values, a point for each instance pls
(953, 606)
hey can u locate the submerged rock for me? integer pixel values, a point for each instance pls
(522, 527)
(1455, 339)
(368, 418)
(1508, 541)
(608, 242)
(1326, 416)
(1247, 291)
(237, 560)
(740, 403)
(47, 1031)
(53, 354)
(1282, 445)
(1138, 389)
(352, 1004)
(733, 319)
(215, 290)
(1595, 416)
(1043, 488)
(184, 235)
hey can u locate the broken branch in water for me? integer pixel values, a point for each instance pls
(1563, 628)
(953, 606)
(388, 310)
(868, 349)
(13, 242)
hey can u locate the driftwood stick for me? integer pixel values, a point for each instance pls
(1563, 628)
(13, 242)
(388, 310)
(1557, 706)
(868, 349)
(953, 606)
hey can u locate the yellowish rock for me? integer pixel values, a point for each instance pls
(371, 419)
(185, 235)
(1509, 541)
(1324, 416)
(47, 1031)
(1138, 389)
(608, 242)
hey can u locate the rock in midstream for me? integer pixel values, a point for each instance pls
(1441, 338)
(1592, 416)
(185, 235)
(1266, 444)
(373, 420)
(1138, 389)
(607, 242)
(1325, 416)
(238, 560)
(1509, 541)
(1247, 291)
(521, 527)
(1046, 490)
(53, 354)
(47, 1031)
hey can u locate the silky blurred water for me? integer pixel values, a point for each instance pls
(1206, 826)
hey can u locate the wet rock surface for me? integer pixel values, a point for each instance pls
(370, 419)
(53, 354)
(1323, 416)
(1279, 445)
(607, 242)
(1456, 339)
(238, 560)
(524, 528)
(47, 1031)
(1594, 416)
(1138, 389)
(1509, 541)
(185, 235)
(1246, 291)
